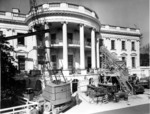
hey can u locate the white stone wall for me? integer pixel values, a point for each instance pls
(89, 20)
(119, 51)
(120, 34)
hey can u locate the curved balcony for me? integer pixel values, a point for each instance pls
(59, 12)
(64, 6)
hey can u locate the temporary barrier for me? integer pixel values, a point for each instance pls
(19, 109)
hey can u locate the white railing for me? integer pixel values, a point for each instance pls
(22, 108)
(12, 16)
(123, 29)
(65, 6)
(76, 42)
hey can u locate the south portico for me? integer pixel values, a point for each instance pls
(72, 40)
(84, 50)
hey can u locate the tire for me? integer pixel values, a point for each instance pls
(116, 99)
(134, 92)
(148, 86)
(47, 106)
(87, 93)
(125, 98)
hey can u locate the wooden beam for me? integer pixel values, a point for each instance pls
(26, 34)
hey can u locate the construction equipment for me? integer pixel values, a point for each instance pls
(111, 62)
(57, 93)
(96, 92)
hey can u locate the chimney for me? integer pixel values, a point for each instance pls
(15, 11)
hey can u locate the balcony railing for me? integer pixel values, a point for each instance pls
(67, 7)
(73, 42)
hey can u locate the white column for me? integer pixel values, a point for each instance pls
(82, 50)
(65, 49)
(47, 43)
(93, 49)
(98, 57)
(35, 54)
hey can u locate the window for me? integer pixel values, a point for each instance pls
(1, 33)
(123, 59)
(133, 62)
(53, 38)
(41, 55)
(132, 46)
(89, 62)
(21, 40)
(70, 38)
(112, 44)
(54, 60)
(123, 45)
(70, 61)
(89, 42)
(101, 42)
(21, 62)
(101, 61)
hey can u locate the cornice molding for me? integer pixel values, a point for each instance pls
(114, 53)
(119, 39)
(21, 51)
(129, 40)
(107, 38)
(9, 21)
(123, 54)
(133, 54)
(62, 13)
(120, 33)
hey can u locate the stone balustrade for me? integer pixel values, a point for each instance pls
(64, 6)
(76, 42)
(121, 29)
(8, 14)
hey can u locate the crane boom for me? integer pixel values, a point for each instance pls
(26, 34)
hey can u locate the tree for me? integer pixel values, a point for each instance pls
(144, 55)
(8, 71)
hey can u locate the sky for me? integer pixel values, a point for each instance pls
(127, 13)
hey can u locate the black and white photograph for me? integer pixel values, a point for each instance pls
(74, 57)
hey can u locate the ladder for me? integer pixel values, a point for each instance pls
(122, 71)
(53, 72)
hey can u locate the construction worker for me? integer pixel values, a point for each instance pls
(105, 80)
(77, 98)
(34, 110)
(41, 109)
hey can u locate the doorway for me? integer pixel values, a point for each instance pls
(75, 85)
(88, 63)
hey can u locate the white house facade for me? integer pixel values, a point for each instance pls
(73, 40)
(124, 43)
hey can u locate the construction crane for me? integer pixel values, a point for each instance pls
(57, 93)
(110, 61)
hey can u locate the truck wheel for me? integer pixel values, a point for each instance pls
(47, 106)
(125, 98)
(134, 92)
(116, 99)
